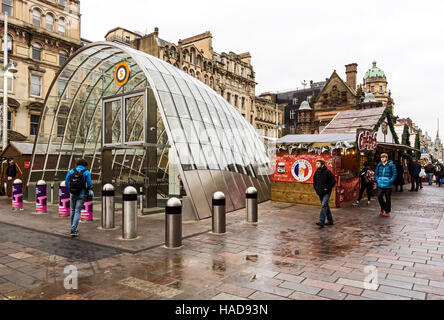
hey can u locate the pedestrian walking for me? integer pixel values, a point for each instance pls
(367, 176)
(323, 183)
(399, 182)
(385, 175)
(414, 170)
(430, 170)
(79, 184)
(3, 167)
(439, 173)
(11, 173)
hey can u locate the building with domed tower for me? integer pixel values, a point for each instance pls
(375, 82)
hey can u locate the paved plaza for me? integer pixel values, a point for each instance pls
(284, 256)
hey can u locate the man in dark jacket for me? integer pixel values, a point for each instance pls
(439, 173)
(414, 170)
(11, 173)
(323, 183)
(385, 175)
(429, 170)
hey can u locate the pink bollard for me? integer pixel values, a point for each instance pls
(17, 195)
(40, 197)
(87, 210)
(64, 200)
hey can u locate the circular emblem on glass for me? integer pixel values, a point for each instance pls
(301, 170)
(121, 74)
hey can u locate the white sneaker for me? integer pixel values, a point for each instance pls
(356, 203)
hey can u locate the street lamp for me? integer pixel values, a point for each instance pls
(7, 71)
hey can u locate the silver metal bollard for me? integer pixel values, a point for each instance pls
(108, 218)
(173, 223)
(219, 213)
(251, 205)
(129, 219)
(52, 194)
(141, 201)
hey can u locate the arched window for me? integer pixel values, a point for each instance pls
(62, 27)
(185, 55)
(198, 75)
(7, 6)
(63, 56)
(192, 72)
(185, 69)
(49, 22)
(192, 56)
(36, 17)
(206, 79)
(9, 44)
(36, 51)
(199, 61)
(211, 82)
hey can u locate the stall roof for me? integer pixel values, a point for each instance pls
(25, 148)
(318, 138)
(350, 121)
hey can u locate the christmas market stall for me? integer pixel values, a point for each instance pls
(295, 164)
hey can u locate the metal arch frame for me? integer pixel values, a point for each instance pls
(138, 58)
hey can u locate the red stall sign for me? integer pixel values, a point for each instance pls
(301, 168)
(366, 139)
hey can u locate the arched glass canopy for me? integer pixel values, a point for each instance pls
(163, 130)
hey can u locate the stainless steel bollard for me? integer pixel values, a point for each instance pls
(129, 219)
(251, 204)
(141, 201)
(108, 208)
(219, 213)
(173, 223)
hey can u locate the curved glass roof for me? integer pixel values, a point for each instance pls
(207, 132)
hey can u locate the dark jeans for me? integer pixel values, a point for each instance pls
(76, 203)
(416, 182)
(369, 187)
(325, 209)
(386, 204)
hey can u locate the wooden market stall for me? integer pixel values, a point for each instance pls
(295, 165)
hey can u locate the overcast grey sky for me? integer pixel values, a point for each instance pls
(292, 41)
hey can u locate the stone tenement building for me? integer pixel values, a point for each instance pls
(41, 37)
(229, 74)
(338, 95)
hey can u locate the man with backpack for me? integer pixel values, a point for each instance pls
(385, 175)
(78, 181)
(367, 179)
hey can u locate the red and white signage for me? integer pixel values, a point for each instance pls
(367, 140)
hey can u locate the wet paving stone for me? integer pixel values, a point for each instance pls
(284, 256)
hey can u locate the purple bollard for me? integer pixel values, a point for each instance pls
(87, 210)
(41, 197)
(17, 195)
(64, 200)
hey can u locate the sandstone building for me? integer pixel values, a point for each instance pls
(229, 74)
(41, 37)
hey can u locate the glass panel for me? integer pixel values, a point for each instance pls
(113, 116)
(134, 107)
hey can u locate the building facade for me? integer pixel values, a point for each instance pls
(268, 116)
(229, 74)
(41, 37)
(375, 82)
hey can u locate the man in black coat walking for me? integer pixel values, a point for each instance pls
(414, 170)
(323, 183)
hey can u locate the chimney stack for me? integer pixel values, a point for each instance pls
(351, 70)
(156, 32)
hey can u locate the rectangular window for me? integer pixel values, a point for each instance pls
(61, 125)
(36, 86)
(61, 87)
(34, 124)
(9, 120)
(7, 7)
(372, 89)
(10, 84)
(292, 114)
(243, 103)
(380, 89)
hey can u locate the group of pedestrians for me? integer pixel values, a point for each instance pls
(386, 176)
